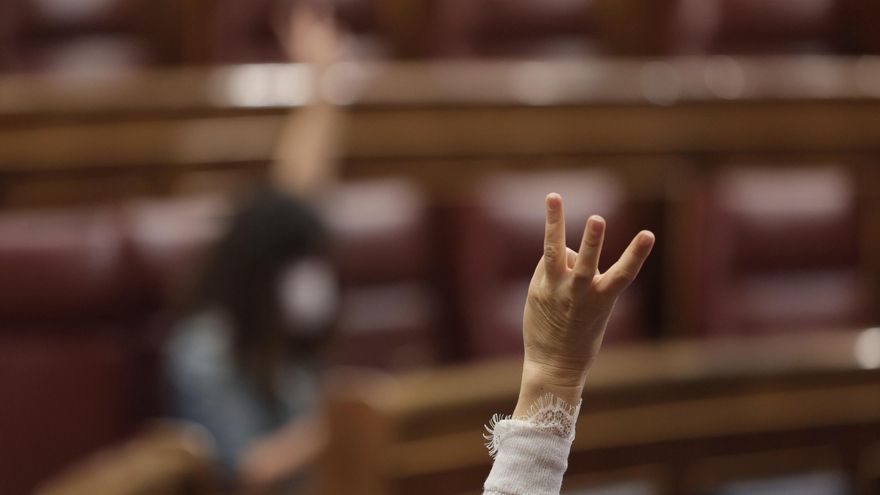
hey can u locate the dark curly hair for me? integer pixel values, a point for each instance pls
(269, 230)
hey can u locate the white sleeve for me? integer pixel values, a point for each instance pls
(531, 453)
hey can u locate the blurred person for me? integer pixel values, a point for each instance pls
(245, 361)
(568, 306)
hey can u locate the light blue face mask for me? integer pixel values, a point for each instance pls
(308, 296)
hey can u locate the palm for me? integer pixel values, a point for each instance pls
(313, 36)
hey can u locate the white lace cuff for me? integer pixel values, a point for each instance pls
(549, 414)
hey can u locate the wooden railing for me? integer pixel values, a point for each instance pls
(425, 119)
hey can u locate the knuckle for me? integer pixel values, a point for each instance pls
(581, 276)
(536, 294)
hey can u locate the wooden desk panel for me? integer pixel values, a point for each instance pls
(668, 405)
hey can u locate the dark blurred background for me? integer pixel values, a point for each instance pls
(426, 133)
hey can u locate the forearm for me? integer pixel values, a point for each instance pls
(286, 452)
(305, 160)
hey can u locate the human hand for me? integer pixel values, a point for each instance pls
(568, 306)
(313, 36)
(282, 455)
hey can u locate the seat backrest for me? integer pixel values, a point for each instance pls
(62, 266)
(53, 18)
(51, 34)
(786, 26)
(859, 20)
(169, 240)
(778, 249)
(511, 28)
(718, 26)
(243, 32)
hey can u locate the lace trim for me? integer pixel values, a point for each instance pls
(549, 413)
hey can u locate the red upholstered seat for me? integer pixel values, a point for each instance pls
(778, 250)
(859, 25)
(60, 266)
(781, 26)
(82, 34)
(243, 32)
(718, 26)
(502, 28)
(383, 251)
(68, 313)
(502, 241)
(169, 240)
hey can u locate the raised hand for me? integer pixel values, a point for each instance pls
(313, 36)
(568, 306)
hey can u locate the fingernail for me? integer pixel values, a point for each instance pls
(646, 238)
(595, 223)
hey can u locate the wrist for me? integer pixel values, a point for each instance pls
(538, 381)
